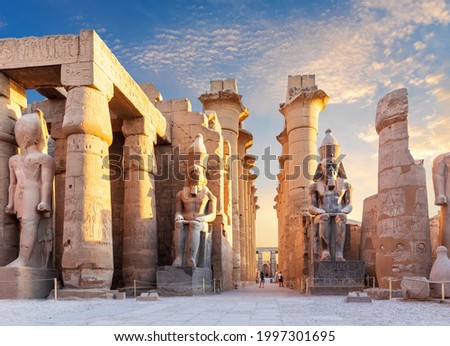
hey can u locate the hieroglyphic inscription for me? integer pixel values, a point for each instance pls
(38, 51)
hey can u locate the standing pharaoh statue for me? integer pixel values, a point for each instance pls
(330, 200)
(195, 207)
(30, 191)
(441, 182)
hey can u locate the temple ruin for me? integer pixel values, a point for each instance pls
(120, 153)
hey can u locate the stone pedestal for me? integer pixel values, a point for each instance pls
(26, 283)
(183, 281)
(337, 277)
(94, 293)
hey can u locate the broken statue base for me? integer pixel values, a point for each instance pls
(183, 281)
(337, 277)
(26, 283)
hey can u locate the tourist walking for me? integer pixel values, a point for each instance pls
(261, 279)
(280, 279)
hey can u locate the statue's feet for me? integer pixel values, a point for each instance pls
(325, 256)
(191, 263)
(177, 262)
(18, 262)
(339, 257)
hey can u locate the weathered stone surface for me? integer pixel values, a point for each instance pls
(9, 226)
(301, 110)
(26, 283)
(358, 297)
(87, 260)
(93, 293)
(383, 293)
(415, 287)
(391, 109)
(441, 183)
(148, 297)
(403, 247)
(183, 281)
(440, 272)
(31, 190)
(13, 91)
(369, 236)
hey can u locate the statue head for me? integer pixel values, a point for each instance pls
(197, 161)
(330, 167)
(31, 129)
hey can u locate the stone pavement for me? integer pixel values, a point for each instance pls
(246, 306)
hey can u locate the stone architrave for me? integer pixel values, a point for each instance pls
(441, 183)
(87, 260)
(440, 272)
(403, 229)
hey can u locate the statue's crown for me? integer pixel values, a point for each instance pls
(197, 153)
(329, 147)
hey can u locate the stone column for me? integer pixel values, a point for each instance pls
(260, 260)
(403, 229)
(140, 239)
(12, 100)
(87, 260)
(301, 110)
(245, 140)
(226, 102)
(281, 199)
(369, 240)
(303, 104)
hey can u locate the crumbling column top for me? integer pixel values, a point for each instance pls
(391, 109)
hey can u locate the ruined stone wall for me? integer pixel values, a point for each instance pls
(402, 209)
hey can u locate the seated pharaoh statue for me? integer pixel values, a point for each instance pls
(330, 200)
(30, 191)
(195, 207)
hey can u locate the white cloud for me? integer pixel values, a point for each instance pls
(352, 56)
(419, 45)
(434, 79)
(370, 135)
(3, 23)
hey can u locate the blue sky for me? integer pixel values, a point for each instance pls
(358, 50)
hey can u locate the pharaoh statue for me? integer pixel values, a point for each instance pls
(330, 200)
(195, 207)
(441, 182)
(30, 191)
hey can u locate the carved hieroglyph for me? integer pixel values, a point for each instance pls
(403, 230)
(30, 191)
